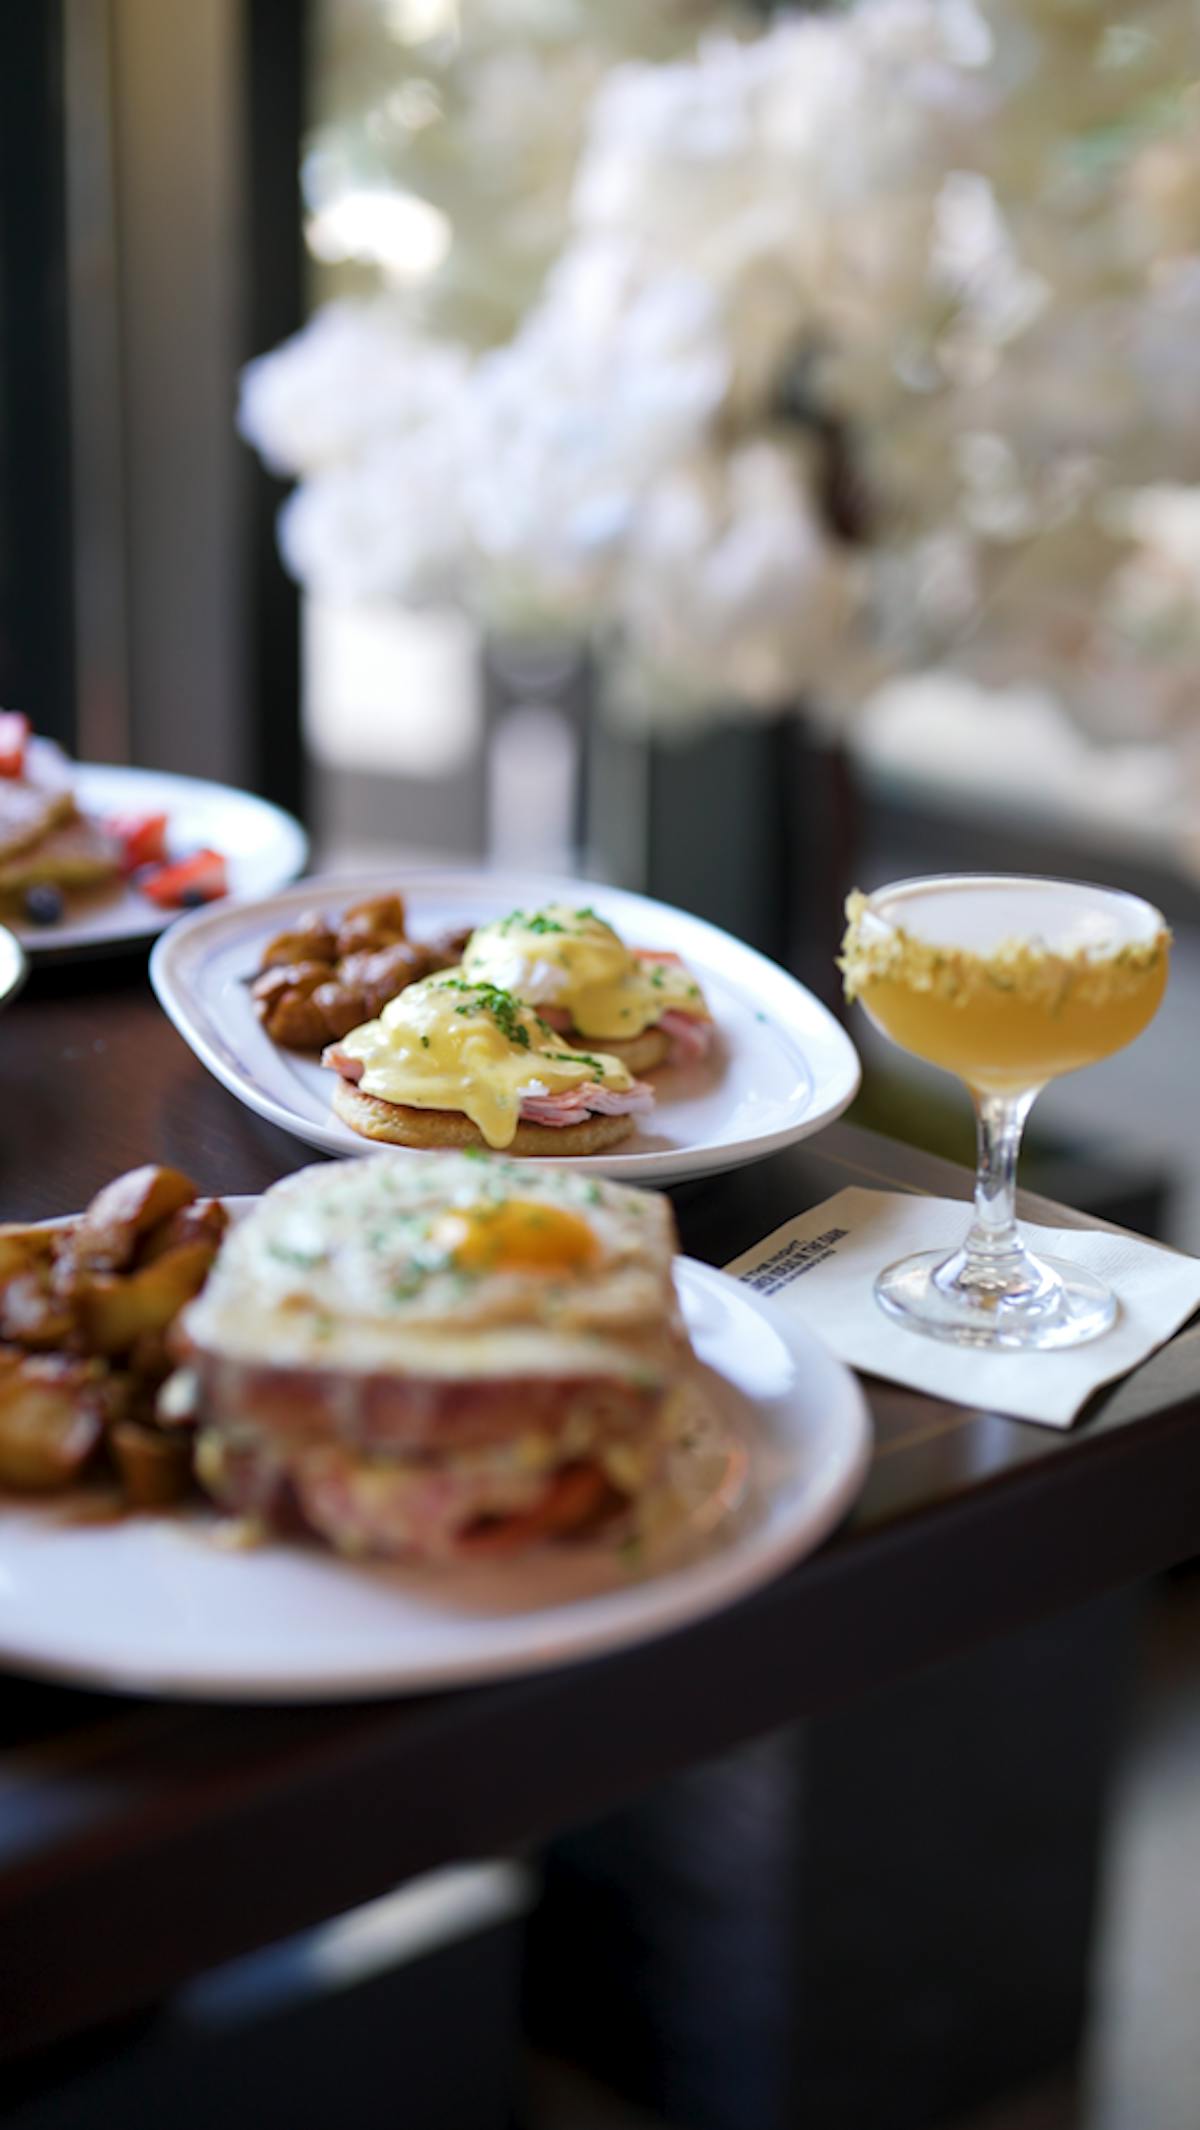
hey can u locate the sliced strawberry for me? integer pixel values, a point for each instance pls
(142, 837)
(14, 738)
(201, 878)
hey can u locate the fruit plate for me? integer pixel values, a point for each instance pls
(263, 846)
(781, 1069)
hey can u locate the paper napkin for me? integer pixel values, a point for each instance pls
(822, 1267)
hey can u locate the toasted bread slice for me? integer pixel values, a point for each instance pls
(395, 1124)
(638, 1053)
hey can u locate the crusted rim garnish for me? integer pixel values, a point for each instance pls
(875, 950)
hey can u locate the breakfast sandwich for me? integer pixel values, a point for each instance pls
(438, 1357)
(643, 1006)
(454, 1061)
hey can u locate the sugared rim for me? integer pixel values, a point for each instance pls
(880, 948)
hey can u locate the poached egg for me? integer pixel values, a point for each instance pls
(572, 960)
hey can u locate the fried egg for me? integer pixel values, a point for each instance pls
(451, 1265)
(572, 960)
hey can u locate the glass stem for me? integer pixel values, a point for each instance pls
(993, 1257)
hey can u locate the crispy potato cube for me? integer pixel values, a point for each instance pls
(446, 949)
(116, 1311)
(379, 922)
(107, 1236)
(50, 1420)
(283, 1000)
(312, 938)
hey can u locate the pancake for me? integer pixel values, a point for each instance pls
(77, 854)
(37, 801)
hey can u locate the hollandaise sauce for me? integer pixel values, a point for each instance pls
(454, 1042)
(571, 959)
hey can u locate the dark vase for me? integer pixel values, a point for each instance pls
(748, 823)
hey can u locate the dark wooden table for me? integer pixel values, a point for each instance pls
(192, 1833)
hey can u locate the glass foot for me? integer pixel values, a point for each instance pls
(1056, 1305)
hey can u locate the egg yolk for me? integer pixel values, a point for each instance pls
(518, 1236)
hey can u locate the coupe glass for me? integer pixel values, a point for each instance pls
(1007, 982)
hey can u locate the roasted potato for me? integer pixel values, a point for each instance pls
(52, 1413)
(86, 1309)
(32, 1314)
(23, 1248)
(204, 1220)
(106, 1237)
(115, 1311)
(155, 1468)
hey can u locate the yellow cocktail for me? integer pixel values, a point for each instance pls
(1007, 982)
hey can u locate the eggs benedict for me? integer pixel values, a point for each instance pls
(456, 1061)
(437, 1357)
(644, 1006)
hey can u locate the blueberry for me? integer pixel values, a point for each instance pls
(192, 898)
(43, 905)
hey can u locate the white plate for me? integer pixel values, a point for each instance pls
(153, 1605)
(782, 1069)
(265, 848)
(13, 966)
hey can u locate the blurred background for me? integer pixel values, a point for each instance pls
(739, 452)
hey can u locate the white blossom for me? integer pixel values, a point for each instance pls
(354, 378)
(702, 261)
(731, 591)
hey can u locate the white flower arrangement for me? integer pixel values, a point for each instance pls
(780, 355)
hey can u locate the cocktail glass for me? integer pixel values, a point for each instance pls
(1007, 982)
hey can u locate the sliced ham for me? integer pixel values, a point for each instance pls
(351, 1069)
(574, 1105)
(691, 1036)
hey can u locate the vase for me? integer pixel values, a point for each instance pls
(747, 822)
